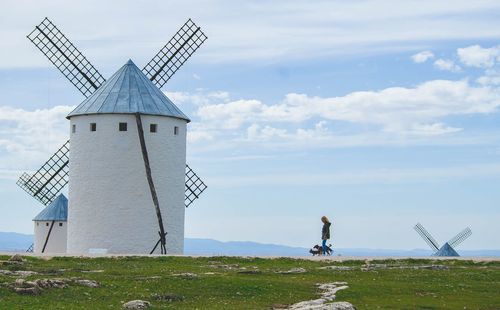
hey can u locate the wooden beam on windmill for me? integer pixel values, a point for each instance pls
(174, 54)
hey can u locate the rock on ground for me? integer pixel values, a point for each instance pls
(136, 304)
(20, 273)
(35, 287)
(168, 297)
(186, 275)
(52, 283)
(325, 301)
(87, 283)
(23, 287)
(16, 258)
(342, 268)
(253, 271)
(293, 271)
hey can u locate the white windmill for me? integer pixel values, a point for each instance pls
(51, 229)
(128, 182)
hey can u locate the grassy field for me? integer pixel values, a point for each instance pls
(253, 283)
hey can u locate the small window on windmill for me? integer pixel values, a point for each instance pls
(176, 130)
(46, 224)
(73, 128)
(37, 223)
(60, 224)
(122, 126)
(93, 126)
(153, 127)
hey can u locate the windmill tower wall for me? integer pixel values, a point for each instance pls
(57, 240)
(110, 204)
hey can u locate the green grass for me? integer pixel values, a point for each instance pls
(465, 285)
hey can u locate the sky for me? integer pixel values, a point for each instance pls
(377, 114)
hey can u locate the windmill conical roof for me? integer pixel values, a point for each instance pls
(128, 91)
(446, 250)
(57, 210)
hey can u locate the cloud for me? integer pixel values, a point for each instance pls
(479, 57)
(447, 65)
(491, 77)
(284, 30)
(422, 56)
(415, 110)
(28, 138)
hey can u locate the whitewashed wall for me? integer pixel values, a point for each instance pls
(110, 205)
(57, 239)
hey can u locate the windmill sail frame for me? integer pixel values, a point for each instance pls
(175, 53)
(66, 57)
(427, 237)
(50, 178)
(460, 237)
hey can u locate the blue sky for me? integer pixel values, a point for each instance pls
(379, 114)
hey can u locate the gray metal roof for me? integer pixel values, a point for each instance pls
(128, 91)
(57, 210)
(446, 250)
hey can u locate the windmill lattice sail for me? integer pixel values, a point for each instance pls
(194, 187)
(460, 237)
(427, 237)
(49, 180)
(66, 57)
(174, 54)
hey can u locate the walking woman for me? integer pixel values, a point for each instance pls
(325, 232)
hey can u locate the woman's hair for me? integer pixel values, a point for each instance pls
(324, 219)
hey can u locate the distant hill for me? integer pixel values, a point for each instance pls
(10, 241)
(193, 246)
(214, 247)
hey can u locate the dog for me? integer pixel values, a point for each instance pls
(318, 250)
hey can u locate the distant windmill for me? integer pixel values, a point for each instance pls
(448, 249)
(130, 96)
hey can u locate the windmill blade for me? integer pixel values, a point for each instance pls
(66, 57)
(174, 54)
(427, 237)
(460, 237)
(49, 180)
(194, 187)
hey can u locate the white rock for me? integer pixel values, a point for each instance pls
(88, 283)
(324, 303)
(293, 270)
(136, 305)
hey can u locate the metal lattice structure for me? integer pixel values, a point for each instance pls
(49, 180)
(447, 249)
(426, 236)
(194, 187)
(66, 57)
(174, 54)
(460, 237)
